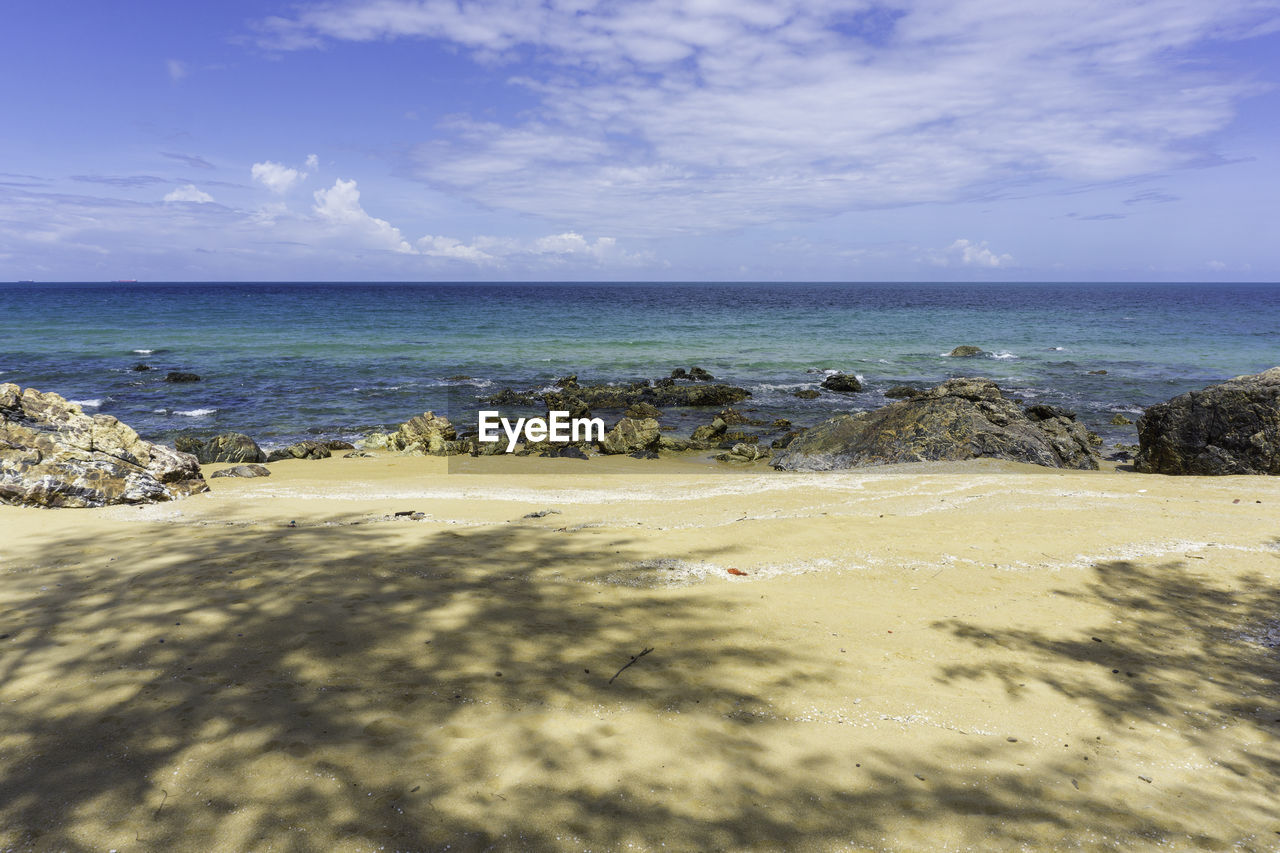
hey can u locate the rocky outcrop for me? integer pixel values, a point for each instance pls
(228, 447)
(1232, 428)
(301, 450)
(630, 435)
(806, 394)
(965, 351)
(661, 395)
(744, 452)
(180, 376)
(427, 434)
(243, 471)
(960, 419)
(902, 392)
(54, 455)
(843, 382)
(643, 410)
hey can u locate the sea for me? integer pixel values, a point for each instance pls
(283, 362)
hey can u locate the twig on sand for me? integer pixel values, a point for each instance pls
(162, 802)
(634, 658)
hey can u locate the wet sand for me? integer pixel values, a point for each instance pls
(982, 656)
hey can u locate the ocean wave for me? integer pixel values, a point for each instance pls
(1003, 354)
(194, 413)
(143, 351)
(1058, 349)
(781, 386)
(86, 404)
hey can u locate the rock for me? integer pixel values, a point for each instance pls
(140, 368)
(376, 440)
(674, 445)
(785, 440)
(228, 447)
(566, 402)
(630, 435)
(244, 471)
(180, 376)
(1231, 428)
(902, 392)
(570, 381)
(710, 432)
(697, 374)
(732, 417)
(334, 444)
(459, 377)
(621, 397)
(960, 419)
(807, 394)
(427, 434)
(54, 455)
(188, 444)
(744, 452)
(1097, 373)
(1120, 420)
(301, 450)
(679, 373)
(643, 454)
(965, 351)
(782, 423)
(842, 382)
(572, 451)
(359, 454)
(643, 410)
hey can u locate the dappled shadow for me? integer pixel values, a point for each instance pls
(392, 685)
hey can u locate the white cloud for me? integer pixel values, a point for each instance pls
(313, 162)
(275, 176)
(189, 193)
(339, 207)
(177, 69)
(553, 250)
(664, 116)
(968, 254)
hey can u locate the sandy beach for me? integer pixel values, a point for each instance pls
(977, 656)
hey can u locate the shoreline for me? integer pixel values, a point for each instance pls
(907, 661)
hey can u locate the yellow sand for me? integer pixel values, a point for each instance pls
(982, 656)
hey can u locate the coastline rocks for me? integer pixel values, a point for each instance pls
(228, 447)
(643, 410)
(959, 419)
(301, 450)
(965, 351)
(54, 455)
(427, 434)
(662, 395)
(1120, 420)
(806, 394)
(744, 452)
(902, 392)
(243, 471)
(140, 368)
(630, 435)
(1231, 428)
(710, 432)
(180, 376)
(845, 383)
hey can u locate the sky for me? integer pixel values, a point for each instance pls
(721, 140)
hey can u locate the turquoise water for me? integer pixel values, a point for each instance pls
(281, 361)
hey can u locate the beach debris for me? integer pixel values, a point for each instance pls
(634, 658)
(405, 513)
(738, 572)
(1146, 779)
(293, 524)
(542, 513)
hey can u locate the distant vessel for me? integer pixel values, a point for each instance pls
(125, 281)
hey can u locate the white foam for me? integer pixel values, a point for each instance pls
(1003, 354)
(194, 413)
(89, 404)
(143, 351)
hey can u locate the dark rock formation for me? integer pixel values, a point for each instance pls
(844, 382)
(335, 444)
(622, 397)
(243, 471)
(965, 351)
(744, 452)
(807, 394)
(960, 419)
(643, 410)
(1120, 420)
(902, 392)
(1232, 428)
(301, 450)
(54, 455)
(180, 376)
(228, 447)
(140, 368)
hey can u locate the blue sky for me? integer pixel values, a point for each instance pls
(695, 140)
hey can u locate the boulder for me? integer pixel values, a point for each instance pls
(54, 455)
(965, 351)
(807, 394)
(243, 471)
(843, 382)
(711, 431)
(1231, 428)
(301, 450)
(228, 447)
(631, 435)
(1119, 420)
(643, 410)
(180, 376)
(427, 434)
(960, 419)
(744, 452)
(697, 374)
(337, 444)
(140, 368)
(902, 392)
(661, 395)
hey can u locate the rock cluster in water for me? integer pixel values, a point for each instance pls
(54, 455)
(1231, 428)
(959, 419)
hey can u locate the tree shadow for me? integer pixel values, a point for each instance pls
(384, 685)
